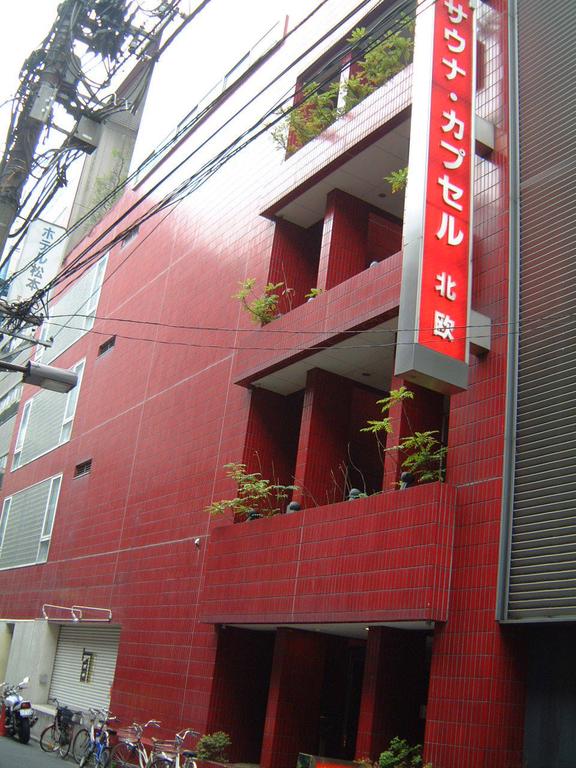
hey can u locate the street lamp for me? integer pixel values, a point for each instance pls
(45, 376)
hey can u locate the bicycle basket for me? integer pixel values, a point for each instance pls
(67, 716)
(128, 735)
(169, 748)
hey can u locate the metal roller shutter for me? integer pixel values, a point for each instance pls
(542, 582)
(74, 645)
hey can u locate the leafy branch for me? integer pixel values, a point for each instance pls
(264, 308)
(254, 494)
(319, 106)
(424, 455)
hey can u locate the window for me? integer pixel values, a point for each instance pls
(27, 522)
(71, 403)
(91, 304)
(47, 420)
(17, 460)
(73, 314)
(4, 521)
(9, 404)
(3, 465)
(48, 524)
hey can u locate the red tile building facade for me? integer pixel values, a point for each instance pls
(330, 630)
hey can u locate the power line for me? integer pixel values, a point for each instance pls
(210, 167)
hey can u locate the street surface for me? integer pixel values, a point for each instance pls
(16, 755)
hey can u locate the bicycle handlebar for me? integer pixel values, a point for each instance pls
(182, 734)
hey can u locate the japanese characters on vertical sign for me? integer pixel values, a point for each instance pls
(446, 244)
(433, 321)
(39, 260)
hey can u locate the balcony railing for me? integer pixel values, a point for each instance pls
(386, 557)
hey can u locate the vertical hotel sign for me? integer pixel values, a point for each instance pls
(434, 313)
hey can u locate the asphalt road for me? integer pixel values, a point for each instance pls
(16, 755)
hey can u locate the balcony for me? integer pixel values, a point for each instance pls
(385, 558)
(320, 334)
(353, 154)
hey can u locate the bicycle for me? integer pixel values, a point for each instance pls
(168, 754)
(96, 750)
(130, 750)
(57, 737)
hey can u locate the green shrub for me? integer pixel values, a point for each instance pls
(401, 755)
(213, 746)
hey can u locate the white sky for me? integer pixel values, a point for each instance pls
(225, 30)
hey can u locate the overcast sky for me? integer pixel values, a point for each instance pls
(225, 26)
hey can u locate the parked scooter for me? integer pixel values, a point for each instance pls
(19, 715)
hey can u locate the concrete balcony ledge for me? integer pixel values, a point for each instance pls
(383, 558)
(300, 337)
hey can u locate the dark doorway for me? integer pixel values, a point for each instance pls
(340, 698)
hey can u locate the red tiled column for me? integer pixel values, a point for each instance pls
(323, 439)
(272, 435)
(241, 656)
(294, 262)
(294, 698)
(344, 249)
(423, 413)
(393, 690)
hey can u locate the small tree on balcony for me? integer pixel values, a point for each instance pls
(423, 454)
(320, 104)
(254, 494)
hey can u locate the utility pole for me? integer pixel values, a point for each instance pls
(53, 75)
(20, 147)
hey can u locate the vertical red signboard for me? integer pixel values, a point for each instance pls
(435, 305)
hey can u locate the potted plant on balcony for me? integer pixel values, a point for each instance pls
(256, 496)
(319, 104)
(424, 455)
(263, 308)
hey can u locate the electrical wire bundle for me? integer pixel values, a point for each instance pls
(401, 15)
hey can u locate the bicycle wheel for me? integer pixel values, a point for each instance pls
(65, 742)
(162, 762)
(81, 744)
(123, 756)
(50, 738)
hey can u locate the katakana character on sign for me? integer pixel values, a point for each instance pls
(451, 193)
(448, 230)
(445, 287)
(456, 13)
(454, 125)
(459, 155)
(443, 326)
(452, 65)
(460, 42)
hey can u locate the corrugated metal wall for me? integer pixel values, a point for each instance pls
(68, 685)
(543, 543)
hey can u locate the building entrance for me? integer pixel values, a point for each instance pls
(279, 693)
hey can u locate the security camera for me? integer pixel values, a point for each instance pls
(197, 542)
